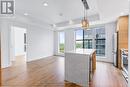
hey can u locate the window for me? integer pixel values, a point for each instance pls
(88, 43)
(100, 47)
(100, 41)
(88, 38)
(79, 38)
(61, 42)
(83, 39)
(91, 38)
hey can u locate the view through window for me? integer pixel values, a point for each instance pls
(91, 38)
(100, 42)
(79, 38)
(61, 42)
(88, 39)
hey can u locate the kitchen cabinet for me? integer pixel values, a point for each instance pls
(122, 37)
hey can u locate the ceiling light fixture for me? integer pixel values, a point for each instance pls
(85, 22)
(26, 14)
(122, 13)
(54, 25)
(71, 22)
(45, 4)
(60, 14)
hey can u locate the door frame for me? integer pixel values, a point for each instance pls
(12, 43)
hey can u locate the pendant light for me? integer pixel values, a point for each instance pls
(85, 22)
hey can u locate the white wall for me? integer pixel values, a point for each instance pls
(39, 43)
(12, 44)
(56, 41)
(19, 40)
(5, 43)
(69, 39)
(110, 29)
(40, 40)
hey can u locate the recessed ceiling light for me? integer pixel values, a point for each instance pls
(71, 22)
(61, 14)
(45, 4)
(122, 13)
(54, 25)
(26, 14)
(126, 10)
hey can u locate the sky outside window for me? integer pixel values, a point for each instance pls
(61, 42)
(62, 37)
(79, 34)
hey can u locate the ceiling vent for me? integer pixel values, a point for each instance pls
(85, 4)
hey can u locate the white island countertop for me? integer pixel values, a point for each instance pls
(83, 51)
(79, 65)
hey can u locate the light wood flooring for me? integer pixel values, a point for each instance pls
(49, 72)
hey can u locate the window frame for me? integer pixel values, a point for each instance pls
(59, 52)
(79, 39)
(93, 39)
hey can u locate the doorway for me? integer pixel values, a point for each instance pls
(18, 45)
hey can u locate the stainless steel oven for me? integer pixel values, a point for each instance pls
(124, 63)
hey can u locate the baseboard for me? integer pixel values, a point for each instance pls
(104, 61)
(34, 59)
(20, 55)
(5, 66)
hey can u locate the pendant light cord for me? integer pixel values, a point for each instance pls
(84, 12)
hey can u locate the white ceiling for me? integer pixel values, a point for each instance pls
(71, 9)
(110, 9)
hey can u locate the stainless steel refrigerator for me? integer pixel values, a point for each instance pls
(115, 49)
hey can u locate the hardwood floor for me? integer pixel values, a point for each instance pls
(49, 72)
(0, 78)
(106, 75)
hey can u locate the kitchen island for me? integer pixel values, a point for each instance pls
(79, 66)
